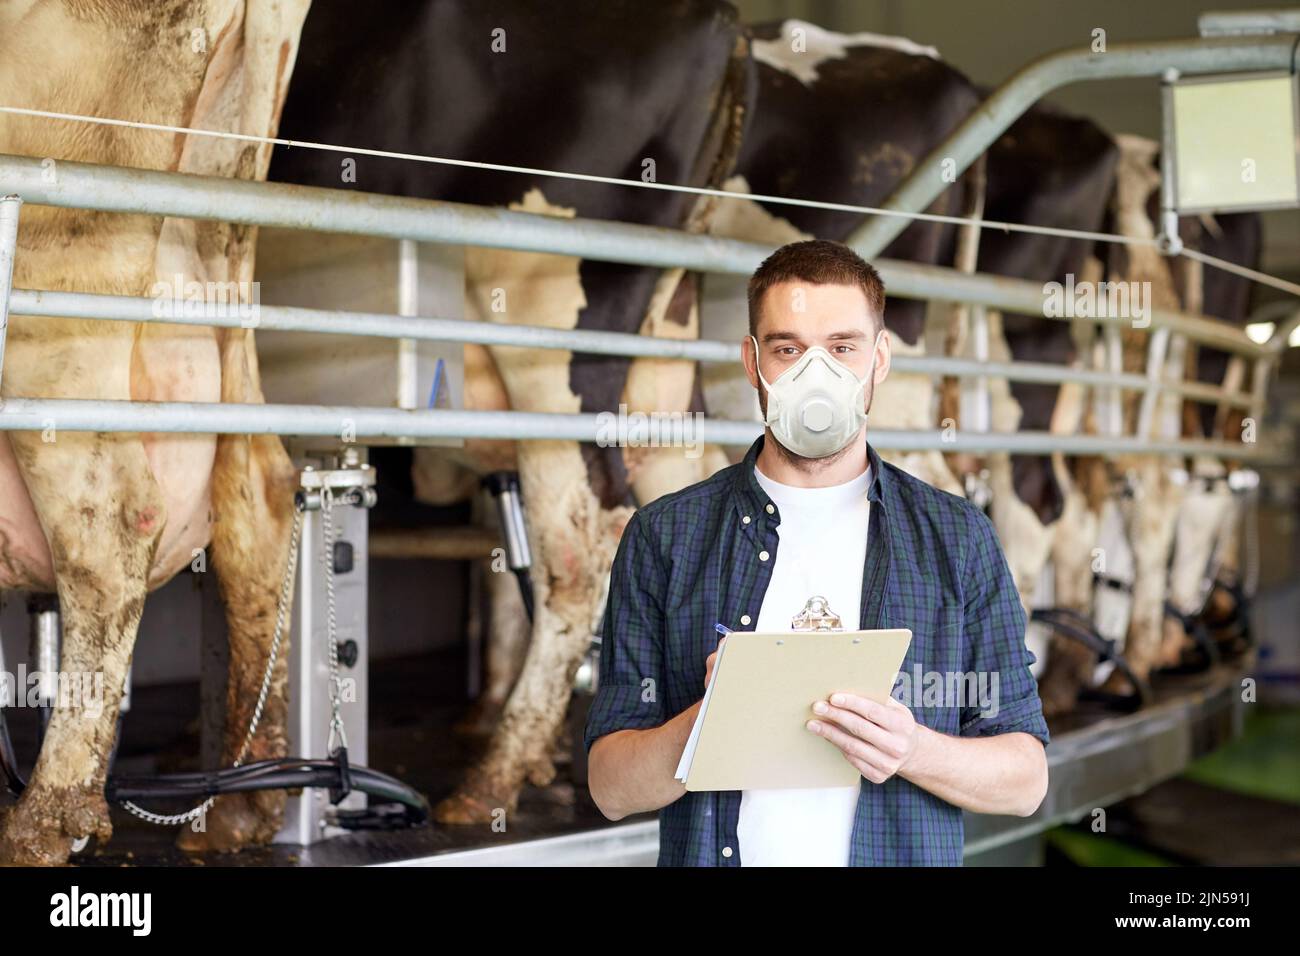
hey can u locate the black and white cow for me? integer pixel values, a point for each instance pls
(1048, 169)
(606, 89)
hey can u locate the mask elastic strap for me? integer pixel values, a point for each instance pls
(757, 367)
(871, 372)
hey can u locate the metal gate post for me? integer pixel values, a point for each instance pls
(996, 114)
(9, 207)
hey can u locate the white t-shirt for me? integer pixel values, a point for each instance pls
(823, 545)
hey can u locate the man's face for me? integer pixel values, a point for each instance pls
(796, 316)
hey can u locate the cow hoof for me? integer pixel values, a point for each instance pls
(1117, 684)
(41, 830)
(541, 772)
(461, 809)
(236, 820)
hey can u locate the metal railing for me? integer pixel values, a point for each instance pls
(110, 189)
(1030, 84)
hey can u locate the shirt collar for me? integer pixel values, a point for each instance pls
(752, 499)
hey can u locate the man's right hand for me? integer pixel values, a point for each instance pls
(709, 661)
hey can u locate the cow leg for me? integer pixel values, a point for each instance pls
(252, 500)
(508, 631)
(1070, 665)
(1151, 531)
(103, 513)
(573, 542)
(253, 482)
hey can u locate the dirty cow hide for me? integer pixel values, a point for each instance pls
(103, 518)
(607, 89)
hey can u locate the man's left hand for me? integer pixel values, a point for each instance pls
(878, 739)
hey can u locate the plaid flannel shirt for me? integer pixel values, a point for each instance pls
(691, 559)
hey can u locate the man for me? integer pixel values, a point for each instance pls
(812, 510)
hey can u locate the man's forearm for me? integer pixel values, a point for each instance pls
(632, 771)
(1006, 773)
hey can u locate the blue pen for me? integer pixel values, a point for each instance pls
(722, 629)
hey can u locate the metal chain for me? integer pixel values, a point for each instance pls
(286, 593)
(337, 733)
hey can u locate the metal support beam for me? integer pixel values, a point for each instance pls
(292, 319)
(1113, 423)
(1157, 349)
(1033, 82)
(1247, 22)
(675, 430)
(1170, 242)
(112, 189)
(9, 207)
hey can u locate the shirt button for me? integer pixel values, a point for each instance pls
(726, 851)
(744, 619)
(763, 555)
(745, 520)
(771, 510)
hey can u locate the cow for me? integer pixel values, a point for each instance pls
(1206, 541)
(1104, 520)
(104, 518)
(1048, 169)
(603, 90)
(1170, 524)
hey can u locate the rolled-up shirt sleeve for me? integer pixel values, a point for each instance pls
(995, 643)
(629, 687)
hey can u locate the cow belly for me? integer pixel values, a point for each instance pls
(182, 466)
(176, 463)
(24, 552)
(173, 363)
(168, 363)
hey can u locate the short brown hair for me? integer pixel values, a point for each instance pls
(819, 262)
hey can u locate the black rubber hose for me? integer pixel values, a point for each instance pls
(1075, 626)
(288, 773)
(526, 590)
(1205, 647)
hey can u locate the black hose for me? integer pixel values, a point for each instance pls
(526, 590)
(1077, 627)
(288, 773)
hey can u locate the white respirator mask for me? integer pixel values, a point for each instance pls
(815, 407)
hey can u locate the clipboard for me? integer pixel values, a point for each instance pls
(750, 733)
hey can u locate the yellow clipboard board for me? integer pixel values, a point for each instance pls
(750, 733)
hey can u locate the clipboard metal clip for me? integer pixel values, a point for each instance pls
(816, 616)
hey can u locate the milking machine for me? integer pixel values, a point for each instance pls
(1102, 634)
(327, 683)
(504, 488)
(1216, 637)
